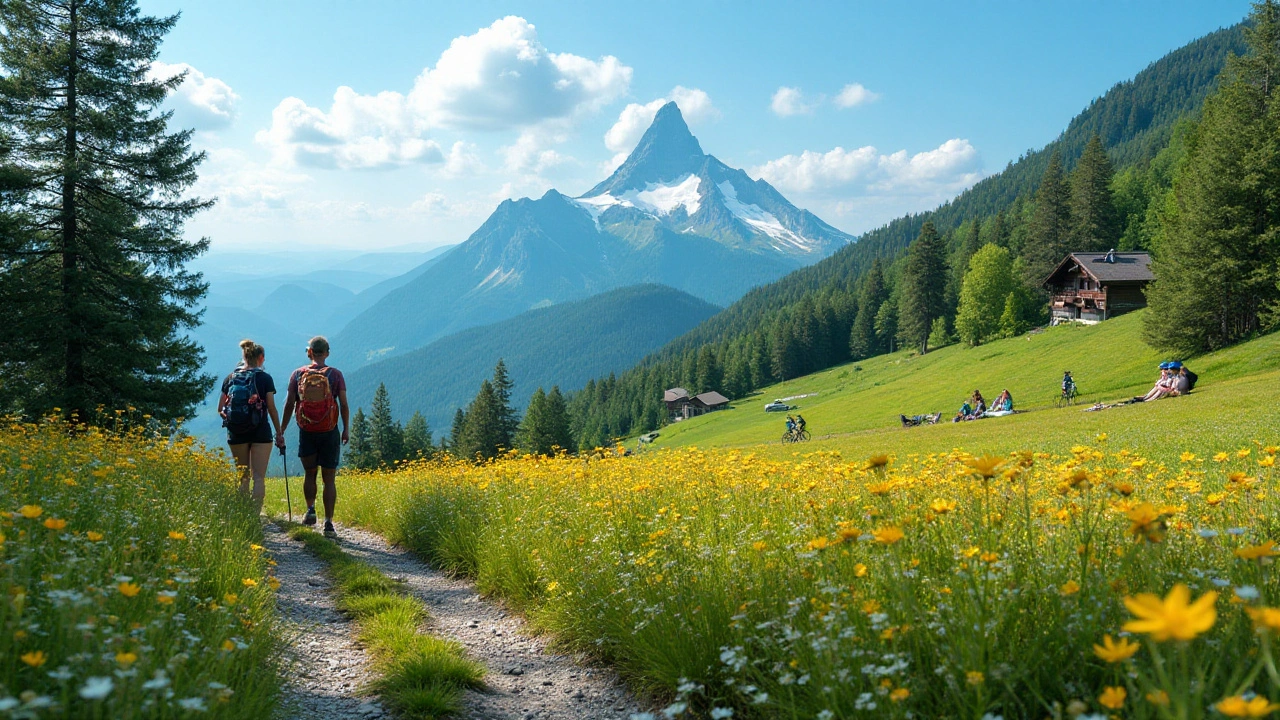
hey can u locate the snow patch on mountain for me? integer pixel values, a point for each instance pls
(656, 199)
(763, 221)
(497, 277)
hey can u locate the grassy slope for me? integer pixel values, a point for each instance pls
(856, 411)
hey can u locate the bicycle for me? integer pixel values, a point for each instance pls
(1067, 396)
(794, 436)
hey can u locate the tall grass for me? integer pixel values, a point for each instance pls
(933, 585)
(133, 583)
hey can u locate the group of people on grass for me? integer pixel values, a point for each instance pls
(1175, 379)
(976, 408)
(317, 397)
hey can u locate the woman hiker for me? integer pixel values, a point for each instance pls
(247, 402)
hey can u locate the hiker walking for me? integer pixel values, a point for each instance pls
(317, 395)
(248, 400)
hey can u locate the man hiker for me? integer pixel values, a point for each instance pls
(319, 394)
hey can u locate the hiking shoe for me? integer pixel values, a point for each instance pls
(329, 532)
(310, 518)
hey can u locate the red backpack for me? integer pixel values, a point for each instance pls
(317, 410)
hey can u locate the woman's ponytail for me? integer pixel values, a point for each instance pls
(252, 352)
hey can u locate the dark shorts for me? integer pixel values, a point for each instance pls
(326, 446)
(262, 435)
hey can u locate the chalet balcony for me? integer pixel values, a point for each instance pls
(1097, 298)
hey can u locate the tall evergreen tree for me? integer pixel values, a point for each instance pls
(1049, 233)
(709, 376)
(509, 422)
(92, 279)
(386, 438)
(863, 341)
(359, 449)
(456, 430)
(1216, 266)
(417, 438)
(924, 279)
(482, 431)
(987, 287)
(1095, 222)
(545, 427)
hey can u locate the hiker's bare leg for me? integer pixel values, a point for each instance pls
(330, 491)
(309, 469)
(259, 458)
(241, 454)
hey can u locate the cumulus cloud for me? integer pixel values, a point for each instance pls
(788, 101)
(200, 102)
(500, 78)
(952, 166)
(695, 105)
(854, 94)
(532, 151)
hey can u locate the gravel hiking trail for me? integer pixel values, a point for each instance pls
(525, 679)
(327, 669)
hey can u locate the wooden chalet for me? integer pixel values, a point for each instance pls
(1091, 287)
(680, 406)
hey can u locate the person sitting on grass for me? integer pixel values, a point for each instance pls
(1163, 387)
(1003, 403)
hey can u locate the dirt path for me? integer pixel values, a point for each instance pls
(328, 669)
(525, 680)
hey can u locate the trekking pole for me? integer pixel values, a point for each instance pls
(284, 469)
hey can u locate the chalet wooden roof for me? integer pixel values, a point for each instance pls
(675, 394)
(1126, 267)
(711, 399)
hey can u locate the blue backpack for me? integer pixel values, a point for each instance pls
(244, 408)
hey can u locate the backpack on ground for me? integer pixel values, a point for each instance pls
(317, 410)
(244, 407)
(1191, 379)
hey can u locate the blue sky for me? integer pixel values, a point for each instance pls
(384, 124)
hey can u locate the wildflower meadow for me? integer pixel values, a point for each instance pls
(1093, 583)
(133, 582)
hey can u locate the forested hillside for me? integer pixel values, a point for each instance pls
(826, 314)
(564, 344)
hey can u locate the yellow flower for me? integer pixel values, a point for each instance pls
(859, 570)
(819, 543)
(987, 466)
(973, 677)
(1114, 652)
(877, 461)
(249, 582)
(1265, 618)
(883, 488)
(1112, 697)
(31, 512)
(175, 535)
(1158, 697)
(166, 597)
(900, 694)
(942, 507)
(1214, 498)
(36, 658)
(55, 524)
(94, 536)
(1070, 587)
(1221, 457)
(273, 583)
(759, 546)
(1173, 618)
(126, 658)
(228, 646)
(1187, 457)
(1237, 706)
(871, 607)
(1243, 453)
(230, 599)
(256, 548)
(1268, 461)
(129, 589)
(989, 557)
(888, 535)
(1148, 522)
(1257, 552)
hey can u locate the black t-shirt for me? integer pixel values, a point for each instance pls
(265, 385)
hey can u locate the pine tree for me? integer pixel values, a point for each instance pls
(863, 341)
(509, 422)
(96, 297)
(1095, 222)
(785, 352)
(708, 373)
(417, 438)
(545, 428)
(1049, 232)
(359, 452)
(987, 286)
(1216, 265)
(386, 438)
(923, 281)
(887, 324)
(556, 419)
(456, 430)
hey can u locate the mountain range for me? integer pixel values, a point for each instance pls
(670, 214)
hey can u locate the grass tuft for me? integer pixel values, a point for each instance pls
(421, 676)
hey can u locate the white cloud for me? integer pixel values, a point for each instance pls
(200, 102)
(502, 77)
(499, 78)
(531, 152)
(695, 105)
(788, 101)
(462, 160)
(854, 94)
(952, 166)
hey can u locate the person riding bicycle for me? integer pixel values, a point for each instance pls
(791, 424)
(1068, 384)
(800, 423)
